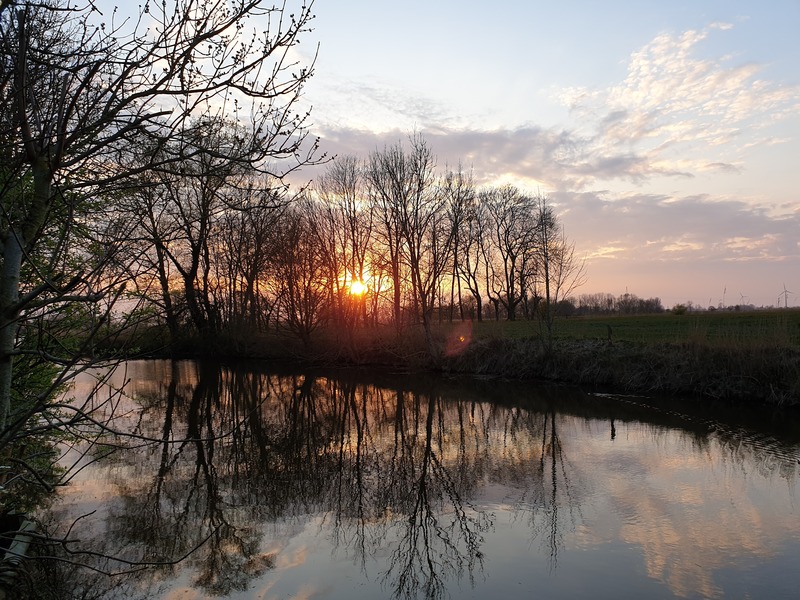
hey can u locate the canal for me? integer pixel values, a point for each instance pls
(249, 482)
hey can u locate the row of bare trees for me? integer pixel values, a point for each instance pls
(626, 304)
(389, 239)
(431, 245)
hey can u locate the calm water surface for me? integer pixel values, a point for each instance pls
(364, 486)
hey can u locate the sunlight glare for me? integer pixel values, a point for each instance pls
(357, 288)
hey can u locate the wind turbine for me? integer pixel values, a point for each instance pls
(785, 295)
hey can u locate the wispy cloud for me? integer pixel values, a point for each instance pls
(675, 110)
(378, 107)
(674, 114)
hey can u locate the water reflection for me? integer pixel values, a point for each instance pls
(425, 487)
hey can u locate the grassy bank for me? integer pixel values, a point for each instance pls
(758, 375)
(738, 356)
(744, 357)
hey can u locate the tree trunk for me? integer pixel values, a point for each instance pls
(163, 280)
(396, 290)
(13, 256)
(9, 295)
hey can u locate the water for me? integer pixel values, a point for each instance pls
(360, 485)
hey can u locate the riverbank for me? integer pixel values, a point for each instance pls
(759, 370)
(753, 375)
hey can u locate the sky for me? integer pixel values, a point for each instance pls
(667, 135)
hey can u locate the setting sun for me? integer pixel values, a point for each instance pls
(357, 288)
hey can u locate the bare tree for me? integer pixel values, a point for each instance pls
(428, 233)
(345, 229)
(300, 273)
(192, 207)
(471, 255)
(460, 196)
(247, 248)
(512, 230)
(389, 189)
(415, 223)
(562, 271)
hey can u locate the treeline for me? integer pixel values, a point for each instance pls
(385, 239)
(606, 304)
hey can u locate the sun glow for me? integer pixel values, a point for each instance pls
(357, 288)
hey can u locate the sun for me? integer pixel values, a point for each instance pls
(357, 288)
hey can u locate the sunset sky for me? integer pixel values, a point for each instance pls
(667, 134)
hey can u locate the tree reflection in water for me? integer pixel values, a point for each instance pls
(551, 488)
(554, 490)
(403, 478)
(440, 534)
(183, 507)
(231, 449)
(389, 487)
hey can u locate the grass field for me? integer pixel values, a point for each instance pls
(738, 356)
(775, 328)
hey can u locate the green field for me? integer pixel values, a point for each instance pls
(777, 328)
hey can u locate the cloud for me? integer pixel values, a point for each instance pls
(674, 114)
(722, 167)
(692, 228)
(376, 106)
(721, 25)
(528, 153)
(673, 109)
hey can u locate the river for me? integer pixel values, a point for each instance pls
(363, 485)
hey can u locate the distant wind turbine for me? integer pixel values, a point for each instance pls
(785, 295)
